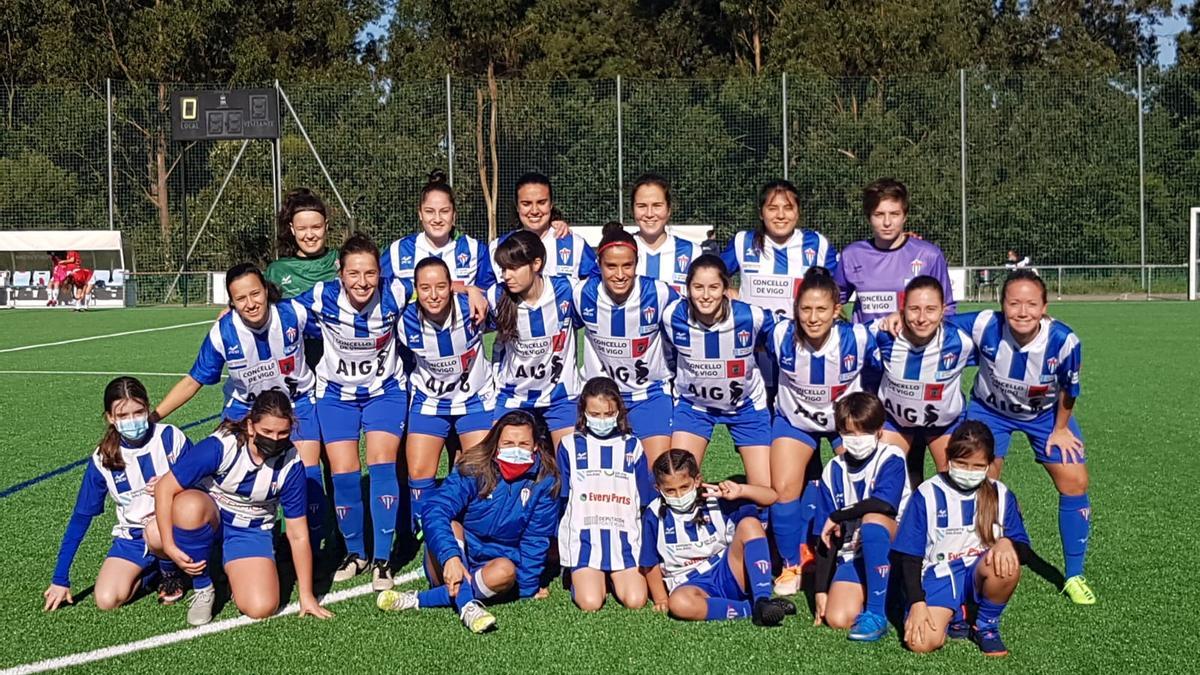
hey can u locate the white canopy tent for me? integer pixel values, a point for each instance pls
(25, 264)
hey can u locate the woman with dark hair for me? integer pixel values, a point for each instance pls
(465, 256)
(302, 232)
(233, 483)
(133, 455)
(660, 254)
(488, 526)
(568, 255)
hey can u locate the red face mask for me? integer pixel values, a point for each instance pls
(514, 462)
(512, 471)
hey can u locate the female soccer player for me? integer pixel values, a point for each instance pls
(623, 315)
(131, 458)
(863, 491)
(304, 257)
(569, 255)
(706, 555)
(606, 486)
(660, 255)
(716, 378)
(64, 263)
(922, 371)
(820, 359)
(1028, 381)
(961, 539)
(488, 526)
(234, 482)
(452, 385)
(876, 269)
(535, 336)
(465, 256)
(260, 343)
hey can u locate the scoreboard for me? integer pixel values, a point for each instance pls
(208, 115)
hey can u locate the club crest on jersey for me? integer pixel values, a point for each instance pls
(1051, 364)
(564, 254)
(949, 360)
(649, 313)
(849, 361)
(291, 334)
(810, 256)
(388, 501)
(564, 307)
(525, 492)
(743, 337)
(463, 259)
(915, 267)
(682, 262)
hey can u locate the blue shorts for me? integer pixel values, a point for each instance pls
(782, 428)
(953, 590)
(134, 550)
(346, 420)
(1036, 430)
(922, 436)
(440, 425)
(747, 426)
(651, 417)
(307, 428)
(562, 414)
(718, 582)
(854, 571)
(246, 542)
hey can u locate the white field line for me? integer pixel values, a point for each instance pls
(190, 633)
(87, 372)
(103, 337)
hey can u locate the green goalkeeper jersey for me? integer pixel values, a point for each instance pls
(295, 275)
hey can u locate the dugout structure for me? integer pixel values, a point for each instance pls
(25, 266)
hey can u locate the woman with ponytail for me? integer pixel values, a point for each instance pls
(127, 465)
(301, 242)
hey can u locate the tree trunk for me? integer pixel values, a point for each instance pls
(757, 51)
(162, 203)
(492, 94)
(489, 178)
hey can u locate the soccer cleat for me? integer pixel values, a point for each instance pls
(958, 630)
(381, 576)
(352, 566)
(868, 627)
(767, 612)
(170, 589)
(788, 581)
(397, 601)
(201, 607)
(989, 642)
(807, 558)
(1078, 590)
(475, 617)
(789, 607)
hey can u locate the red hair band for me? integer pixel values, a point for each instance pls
(616, 243)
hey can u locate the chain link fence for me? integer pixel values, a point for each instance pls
(1092, 176)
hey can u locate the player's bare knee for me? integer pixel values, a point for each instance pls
(110, 598)
(589, 602)
(634, 599)
(258, 607)
(501, 572)
(685, 606)
(750, 528)
(190, 509)
(839, 618)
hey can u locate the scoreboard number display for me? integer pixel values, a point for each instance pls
(215, 115)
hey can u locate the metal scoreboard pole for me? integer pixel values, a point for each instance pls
(183, 270)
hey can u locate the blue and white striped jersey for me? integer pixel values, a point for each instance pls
(668, 263)
(127, 486)
(605, 486)
(247, 494)
(939, 525)
(715, 368)
(684, 545)
(270, 358)
(452, 375)
(624, 341)
(567, 257)
(771, 278)
(921, 386)
(466, 257)
(360, 360)
(1022, 382)
(883, 475)
(538, 368)
(811, 381)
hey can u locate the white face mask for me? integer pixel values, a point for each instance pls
(601, 426)
(514, 454)
(967, 479)
(859, 446)
(682, 503)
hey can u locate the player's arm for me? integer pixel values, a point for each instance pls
(206, 370)
(294, 500)
(1068, 391)
(89, 503)
(648, 561)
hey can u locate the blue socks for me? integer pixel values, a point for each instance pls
(418, 488)
(809, 502)
(1074, 527)
(721, 609)
(197, 544)
(167, 566)
(785, 525)
(314, 486)
(988, 617)
(347, 501)
(756, 556)
(876, 544)
(440, 596)
(385, 502)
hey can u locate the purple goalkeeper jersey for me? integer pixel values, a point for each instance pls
(878, 277)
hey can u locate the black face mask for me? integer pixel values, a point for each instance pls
(271, 447)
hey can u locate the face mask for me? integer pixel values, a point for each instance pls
(966, 479)
(514, 461)
(683, 503)
(133, 429)
(271, 447)
(601, 426)
(859, 446)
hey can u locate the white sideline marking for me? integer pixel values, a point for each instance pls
(87, 372)
(190, 633)
(102, 337)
